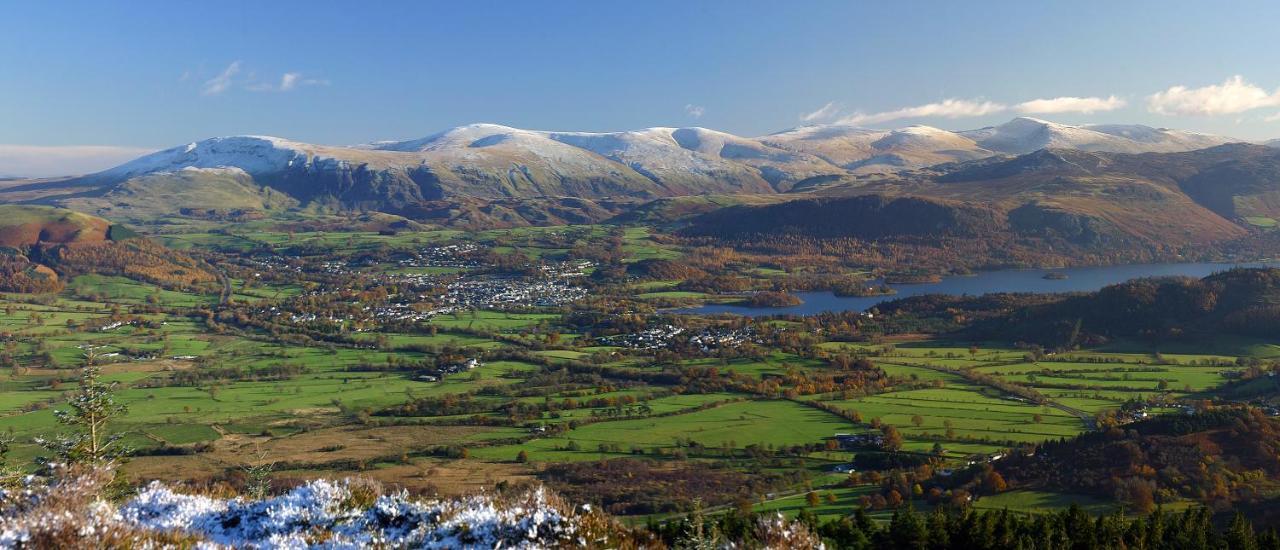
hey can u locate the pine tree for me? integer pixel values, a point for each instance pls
(1239, 535)
(92, 408)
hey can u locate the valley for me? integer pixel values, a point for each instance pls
(445, 361)
(676, 326)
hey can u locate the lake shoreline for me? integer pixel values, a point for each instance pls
(1032, 280)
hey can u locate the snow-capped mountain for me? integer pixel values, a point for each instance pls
(678, 160)
(491, 161)
(1024, 135)
(867, 150)
(1161, 140)
(254, 155)
(496, 160)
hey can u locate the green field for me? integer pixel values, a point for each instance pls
(195, 372)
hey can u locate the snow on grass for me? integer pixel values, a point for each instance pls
(320, 514)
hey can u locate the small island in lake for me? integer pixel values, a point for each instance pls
(862, 290)
(770, 298)
(912, 278)
(1055, 276)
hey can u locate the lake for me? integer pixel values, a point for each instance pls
(1013, 280)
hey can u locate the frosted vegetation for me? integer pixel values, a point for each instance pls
(74, 512)
(74, 509)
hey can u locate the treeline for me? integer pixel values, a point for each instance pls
(969, 529)
(140, 259)
(18, 274)
(1222, 458)
(210, 374)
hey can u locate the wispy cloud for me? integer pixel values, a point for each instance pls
(947, 108)
(288, 82)
(222, 82)
(1272, 118)
(45, 161)
(695, 111)
(824, 113)
(1235, 95)
(965, 108)
(1067, 104)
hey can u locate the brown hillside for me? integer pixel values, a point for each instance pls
(28, 225)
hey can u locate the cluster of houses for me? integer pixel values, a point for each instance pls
(707, 339)
(447, 294)
(452, 255)
(501, 292)
(568, 269)
(712, 338)
(654, 338)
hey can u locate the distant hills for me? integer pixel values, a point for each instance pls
(1151, 192)
(489, 161)
(1164, 203)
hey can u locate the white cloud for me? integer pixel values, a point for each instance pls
(1068, 104)
(222, 82)
(825, 112)
(948, 108)
(46, 161)
(288, 82)
(1272, 118)
(695, 111)
(1231, 97)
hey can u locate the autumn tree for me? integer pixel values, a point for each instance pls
(993, 482)
(892, 438)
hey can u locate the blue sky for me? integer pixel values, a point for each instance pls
(141, 75)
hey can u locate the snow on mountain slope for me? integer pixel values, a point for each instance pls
(839, 144)
(1161, 140)
(1024, 135)
(868, 150)
(252, 154)
(677, 160)
(655, 153)
(781, 167)
(496, 161)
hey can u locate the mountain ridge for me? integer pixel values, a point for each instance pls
(491, 162)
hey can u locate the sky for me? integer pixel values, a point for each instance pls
(85, 85)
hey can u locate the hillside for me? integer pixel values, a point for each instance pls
(1218, 458)
(41, 246)
(1239, 301)
(30, 225)
(1210, 203)
(864, 216)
